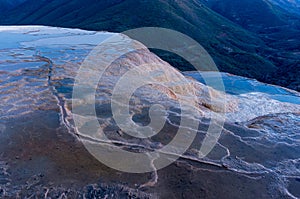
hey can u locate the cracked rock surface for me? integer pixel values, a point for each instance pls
(41, 156)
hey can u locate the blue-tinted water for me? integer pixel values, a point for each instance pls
(237, 85)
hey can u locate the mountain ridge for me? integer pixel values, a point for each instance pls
(6, 5)
(234, 49)
(277, 23)
(211, 30)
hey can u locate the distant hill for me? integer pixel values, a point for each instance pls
(251, 14)
(6, 5)
(277, 23)
(259, 15)
(292, 6)
(234, 49)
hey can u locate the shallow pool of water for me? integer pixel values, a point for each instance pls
(237, 85)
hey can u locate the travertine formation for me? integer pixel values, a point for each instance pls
(41, 156)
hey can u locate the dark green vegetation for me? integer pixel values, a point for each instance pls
(9, 4)
(277, 23)
(234, 49)
(256, 15)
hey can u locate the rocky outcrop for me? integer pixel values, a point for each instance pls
(41, 154)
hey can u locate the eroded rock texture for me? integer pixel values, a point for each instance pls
(256, 156)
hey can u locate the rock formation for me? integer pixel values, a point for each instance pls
(42, 156)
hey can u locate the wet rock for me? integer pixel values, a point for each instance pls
(41, 155)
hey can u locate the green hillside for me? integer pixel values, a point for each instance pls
(234, 49)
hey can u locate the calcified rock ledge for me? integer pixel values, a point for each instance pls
(257, 155)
